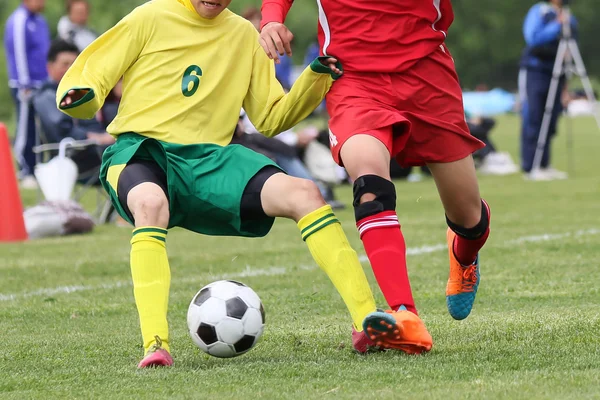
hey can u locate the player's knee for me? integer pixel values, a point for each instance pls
(467, 214)
(150, 209)
(307, 192)
(473, 224)
(306, 197)
(373, 195)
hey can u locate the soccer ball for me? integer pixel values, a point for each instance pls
(226, 319)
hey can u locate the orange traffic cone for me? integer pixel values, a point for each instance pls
(12, 226)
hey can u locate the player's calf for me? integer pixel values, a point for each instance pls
(463, 249)
(142, 189)
(301, 200)
(377, 222)
(469, 240)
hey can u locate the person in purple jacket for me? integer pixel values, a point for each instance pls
(26, 42)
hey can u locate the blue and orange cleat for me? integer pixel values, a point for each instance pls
(398, 330)
(462, 283)
(156, 356)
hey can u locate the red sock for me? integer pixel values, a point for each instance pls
(385, 247)
(465, 249)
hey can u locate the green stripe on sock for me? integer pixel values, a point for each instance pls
(332, 221)
(313, 227)
(150, 230)
(161, 238)
(317, 222)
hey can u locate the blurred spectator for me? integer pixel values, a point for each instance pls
(259, 143)
(577, 103)
(252, 14)
(411, 174)
(26, 42)
(284, 154)
(542, 30)
(283, 70)
(73, 26)
(313, 51)
(111, 105)
(55, 124)
(489, 160)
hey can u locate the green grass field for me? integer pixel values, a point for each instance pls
(70, 329)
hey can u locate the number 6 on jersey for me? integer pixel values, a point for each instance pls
(191, 80)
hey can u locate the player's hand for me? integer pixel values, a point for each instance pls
(276, 39)
(73, 96)
(330, 62)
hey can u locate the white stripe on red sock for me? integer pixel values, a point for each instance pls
(371, 225)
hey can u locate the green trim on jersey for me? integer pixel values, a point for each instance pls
(89, 96)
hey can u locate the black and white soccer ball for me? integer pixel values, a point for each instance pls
(226, 319)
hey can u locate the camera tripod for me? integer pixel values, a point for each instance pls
(568, 62)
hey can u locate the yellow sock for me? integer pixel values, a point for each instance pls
(329, 246)
(151, 281)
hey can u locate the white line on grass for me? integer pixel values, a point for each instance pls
(552, 236)
(273, 271)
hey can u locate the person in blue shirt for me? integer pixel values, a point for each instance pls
(26, 42)
(542, 30)
(313, 50)
(283, 69)
(283, 72)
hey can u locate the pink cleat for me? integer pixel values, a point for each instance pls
(361, 342)
(156, 356)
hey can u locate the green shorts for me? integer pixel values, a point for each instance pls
(205, 182)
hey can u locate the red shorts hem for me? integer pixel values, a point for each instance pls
(438, 160)
(378, 132)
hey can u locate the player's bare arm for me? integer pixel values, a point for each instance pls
(276, 39)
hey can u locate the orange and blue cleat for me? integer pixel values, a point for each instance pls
(156, 356)
(398, 330)
(462, 283)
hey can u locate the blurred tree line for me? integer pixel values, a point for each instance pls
(485, 40)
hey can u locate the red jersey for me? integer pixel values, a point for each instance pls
(382, 36)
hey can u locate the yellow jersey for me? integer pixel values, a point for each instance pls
(185, 78)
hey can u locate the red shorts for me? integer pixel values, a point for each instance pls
(418, 114)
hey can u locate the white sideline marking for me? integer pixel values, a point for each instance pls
(416, 251)
(553, 236)
(273, 271)
(248, 272)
